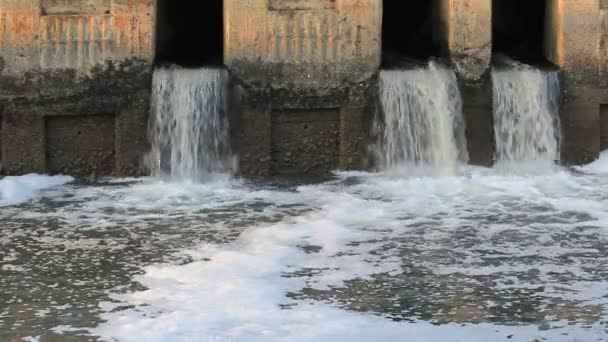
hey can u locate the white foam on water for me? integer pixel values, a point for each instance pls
(189, 128)
(600, 166)
(526, 118)
(19, 189)
(239, 291)
(422, 120)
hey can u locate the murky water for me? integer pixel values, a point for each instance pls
(485, 254)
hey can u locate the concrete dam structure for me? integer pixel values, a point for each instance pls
(303, 82)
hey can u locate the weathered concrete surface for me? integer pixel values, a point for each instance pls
(315, 44)
(575, 41)
(477, 107)
(307, 70)
(75, 34)
(291, 131)
(74, 85)
(466, 28)
(581, 123)
(466, 38)
(74, 66)
(40, 131)
(299, 135)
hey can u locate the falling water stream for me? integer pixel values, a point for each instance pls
(422, 119)
(526, 120)
(189, 127)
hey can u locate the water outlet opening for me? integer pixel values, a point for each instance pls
(189, 32)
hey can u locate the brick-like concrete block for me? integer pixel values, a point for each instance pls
(23, 143)
(581, 132)
(355, 136)
(305, 141)
(73, 34)
(54, 7)
(255, 141)
(304, 5)
(80, 145)
(131, 136)
(466, 34)
(294, 43)
(479, 119)
(572, 36)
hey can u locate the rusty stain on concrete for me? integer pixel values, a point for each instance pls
(289, 54)
(73, 34)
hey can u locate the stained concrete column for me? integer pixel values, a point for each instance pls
(19, 26)
(573, 39)
(305, 69)
(22, 147)
(465, 33)
(74, 85)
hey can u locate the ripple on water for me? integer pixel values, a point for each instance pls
(360, 254)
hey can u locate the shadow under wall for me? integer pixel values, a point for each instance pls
(190, 32)
(518, 30)
(408, 31)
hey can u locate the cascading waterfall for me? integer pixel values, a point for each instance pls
(526, 114)
(189, 124)
(423, 122)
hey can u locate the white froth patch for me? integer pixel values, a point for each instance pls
(239, 291)
(599, 166)
(236, 291)
(19, 189)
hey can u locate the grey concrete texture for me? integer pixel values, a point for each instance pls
(75, 81)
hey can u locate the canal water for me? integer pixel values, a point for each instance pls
(429, 249)
(485, 254)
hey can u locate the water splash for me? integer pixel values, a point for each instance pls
(526, 114)
(189, 127)
(423, 122)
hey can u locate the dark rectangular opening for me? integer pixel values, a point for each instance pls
(190, 32)
(408, 31)
(518, 30)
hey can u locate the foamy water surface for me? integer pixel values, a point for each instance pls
(487, 254)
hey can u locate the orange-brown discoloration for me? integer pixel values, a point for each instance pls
(76, 36)
(20, 23)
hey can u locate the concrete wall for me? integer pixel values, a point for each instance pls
(576, 42)
(469, 36)
(74, 85)
(75, 80)
(306, 71)
(319, 43)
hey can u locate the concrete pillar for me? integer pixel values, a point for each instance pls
(575, 41)
(305, 68)
(479, 118)
(23, 142)
(466, 35)
(19, 29)
(75, 85)
(302, 43)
